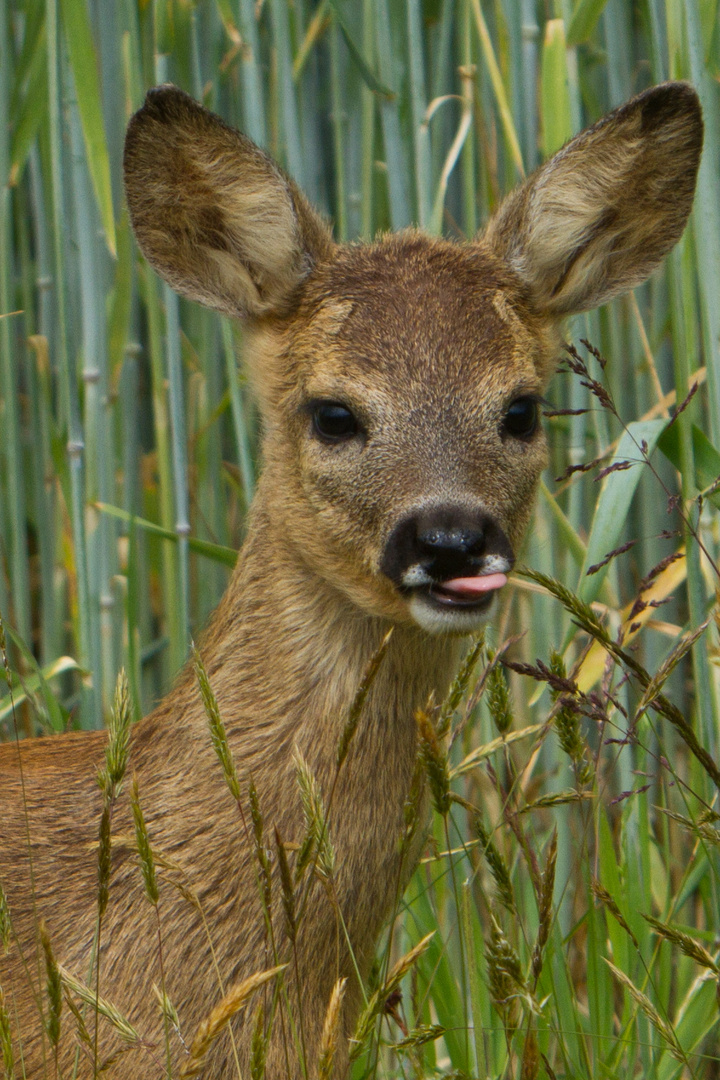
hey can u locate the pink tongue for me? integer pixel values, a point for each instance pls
(472, 586)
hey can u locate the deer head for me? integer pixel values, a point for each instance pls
(399, 381)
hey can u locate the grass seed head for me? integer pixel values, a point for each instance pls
(582, 612)
(504, 973)
(8, 1058)
(259, 1045)
(376, 1003)
(646, 1006)
(118, 744)
(235, 999)
(460, 685)
(567, 724)
(104, 860)
(5, 925)
(435, 761)
(261, 852)
(287, 888)
(54, 988)
(332, 1031)
(498, 699)
(497, 866)
(545, 907)
(419, 1036)
(601, 894)
(167, 1008)
(317, 841)
(218, 734)
(145, 855)
(356, 708)
(685, 943)
(105, 1008)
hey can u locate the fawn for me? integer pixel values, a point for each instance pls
(399, 385)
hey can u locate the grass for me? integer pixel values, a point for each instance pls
(571, 885)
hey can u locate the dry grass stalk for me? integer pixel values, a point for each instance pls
(531, 1056)
(104, 1007)
(235, 999)
(646, 1006)
(481, 753)
(8, 1058)
(376, 1004)
(331, 1031)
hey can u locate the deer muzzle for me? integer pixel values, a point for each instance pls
(448, 561)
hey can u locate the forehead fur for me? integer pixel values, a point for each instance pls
(408, 300)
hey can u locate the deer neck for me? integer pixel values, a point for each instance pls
(286, 652)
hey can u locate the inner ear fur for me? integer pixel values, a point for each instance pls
(212, 213)
(596, 219)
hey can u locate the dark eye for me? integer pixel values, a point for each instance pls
(521, 419)
(333, 421)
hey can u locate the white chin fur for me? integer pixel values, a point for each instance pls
(437, 620)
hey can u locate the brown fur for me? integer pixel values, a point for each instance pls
(428, 342)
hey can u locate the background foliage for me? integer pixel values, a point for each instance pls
(128, 458)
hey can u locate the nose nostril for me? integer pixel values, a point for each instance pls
(460, 541)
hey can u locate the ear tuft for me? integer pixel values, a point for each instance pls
(212, 213)
(596, 219)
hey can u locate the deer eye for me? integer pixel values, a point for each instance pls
(334, 422)
(521, 419)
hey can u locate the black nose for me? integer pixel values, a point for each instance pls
(442, 543)
(435, 540)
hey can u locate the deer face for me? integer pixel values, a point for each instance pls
(399, 381)
(403, 438)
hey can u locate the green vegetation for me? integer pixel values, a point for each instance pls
(572, 885)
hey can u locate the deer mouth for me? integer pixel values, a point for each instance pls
(467, 592)
(456, 605)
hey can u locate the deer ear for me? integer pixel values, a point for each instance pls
(212, 213)
(596, 219)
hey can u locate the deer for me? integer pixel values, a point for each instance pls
(399, 383)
